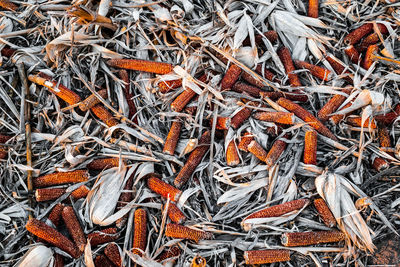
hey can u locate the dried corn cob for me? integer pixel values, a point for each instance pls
(279, 210)
(357, 34)
(278, 117)
(141, 65)
(123, 74)
(245, 141)
(103, 236)
(47, 194)
(379, 164)
(241, 87)
(275, 152)
(311, 238)
(166, 86)
(286, 58)
(332, 105)
(313, 8)
(59, 178)
(266, 256)
(112, 253)
(3, 150)
(125, 197)
(231, 154)
(8, 5)
(102, 261)
(240, 117)
(335, 119)
(174, 251)
(368, 58)
(257, 150)
(357, 121)
(101, 164)
(316, 71)
(272, 36)
(384, 137)
(92, 100)
(173, 137)
(373, 38)
(231, 76)
(104, 115)
(74, 227)
(310, 148)
(162, 188)
(140, 231)
(388, 118)
(198, 261)
(175, 214)
(352, 53)
(324, 212)
(58, 260)
(338, 67)
(253, 81)
(7, 52)
(222, 123)
(184, 232)
(55, 214)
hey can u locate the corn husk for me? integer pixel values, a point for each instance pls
(37, 256)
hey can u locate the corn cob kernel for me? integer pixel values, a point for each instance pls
(101, 164)
(141, 65)
(112, 253)
(55, 214)
(198, 261)
(175, 214)
(368, 58)
(59, 178)
(352, 53)
(58, 89)
(102, 261)
(125, 197)
(74, 227)
(232, 155)
(279, 210)
(286, 58)
(316, 71)
(245, 141)
(184, 232)
(306, 116)
(240, 117)
(257, 150)
(92, 100)
(103, 236)
(174, 251)
(310, 148)
(124, 75)
(104, 115)
(313, 8)
(166, 86)
(172, 138)
(324, 212)
(194, 160)
(278, 117)
(140, 231)
(332, 105)
(357, 34)
(379, 164)
(51, 235)
(266, 256)
(230, 77)
(311, 238)
(5, 4)
(357, 121)
(58, 260)
(162, 188)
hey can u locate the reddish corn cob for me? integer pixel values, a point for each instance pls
(388, 118)
(101, 164)
(59, 90)
(272, 36)
(275, 152)
(59, 178)
(123, 74)
(174, 251)
(257, 150)
(368, 59)
(4, 150)
(58, 260)
(231, 76)
(102, 261)
(140, 231)
(310, 148)
(240, 117)
(241, 87)
(112, 253)
(162, 188)
(8, 5)
(379, 164)
(166, 86)
(311, 238)
(373, 38)
(286, 58)
(80, 192)
(231, 154)
(279, 210)
(253, 81)
(331, 106)
(316, 71)
(324, 212)
(183, 232)
(103, 236)
(141, 65)
(172, 138)
(47, 194)
(222, 123)
(125, 197)
(245, 141)
(74, 227)
(306, 116)
(278, 117)
(7, 52)
(339, 68)
(335, 119)
(384, 137)
(92, 100)
(357, 121)
(357, 34)
(55, 214)
(104, 115)
(352, 53)
(313, 8)
(266, 256)
(194, 160)
(175, 214)
(51, 235)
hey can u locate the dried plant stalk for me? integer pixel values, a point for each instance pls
(162, 188)
(313, 8)
(55, 214)
(8, 5)
(310, 148)
(278, 117)
(231, 76)
(101, 164)
(175, 214)
(92, 100)
(324, 212)
(245, 141)
(331, 106)
(174, 251)
(166, 86)
(104, 236)
(74, 227)
(183, 232)
(357, 34)
(112, 253)
(140, 231)
(59, 178)
(104, 115)
(124, 75)
(311, 238)
(286, 58)
(141, 65)
(257, 150)
(231, 154)
(279, 210)
(240, 117)
(51, 235)
(87, 15)
(173, 137)
(275, 152)
(266, 256)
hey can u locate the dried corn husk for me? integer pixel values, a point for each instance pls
(37, 256)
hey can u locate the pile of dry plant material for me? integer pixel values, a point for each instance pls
(199, 133)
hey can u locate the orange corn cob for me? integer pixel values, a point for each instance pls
(102, 261)
(58, 260)
(175, 214)
(194, 160)
(331, 106)
(356, 121)
(232, 156)
(222, 123)
(384, 137)
(257, 150)
(74, 227)
(47, 194)
(59, 178)
(253, 81)
(278, 117)
(352, 53)
(8, 5)
(183, 232)
(286, 58)
(55, 214)
(313, 8)
(58, 89)
(104, 115)
(125, 197)
(141, 65)
(275, 152)
(174, 251)
(124, 75)
(266, 256)
(101, 164)
(368, 59)
(379, 164)
(311, 238)
(373, 38)
(231, 76)
(51, 235)
(140, 231)
(272, 36)
(279, 210)
(198, 261)
(310, 148)
(162, 188)
(92, 100)
(103, 236)
(173, 137)
(240, 117)
(316, 71)
(245, 141)
(339, 68)
(324, 212)
(357, 34)
(306, 116)
(335, 119)
(388, 118)
(166, 86)
(112, 253)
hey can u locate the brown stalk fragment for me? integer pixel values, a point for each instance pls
(275, 152)
(231, 154)
(368, 58)
(112, 253)
(47, 194)
(183, 232)
(231, 76)
(286, 58)
(160, 187)
(105, 163)
(141, 65)
(124, 75)
(7, 52)
(92, 100)
(306, 116)
(166, 86)
(257, 150)
(173, 137)
(316, 71)
(352, 53)
(52, 236)
(245, 141)
(311, 238)
(102, 261)
(357, 121)
(324, 212)
(310, 147)
(266, 256)
(74, 227)
(278, 117)
(313, 8)
(59, 178)
(175, 214)
(140, 231)
(58, 89)
(86, 16)
(194, 160)
(357, 34)
(279, 210)
(5, 4)
(55, 214)
(331, 106)
(104, 115)
(240, 117)
(379, 164)
(335, 119)
(125, 197)
(174, 251)
(104, 236)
